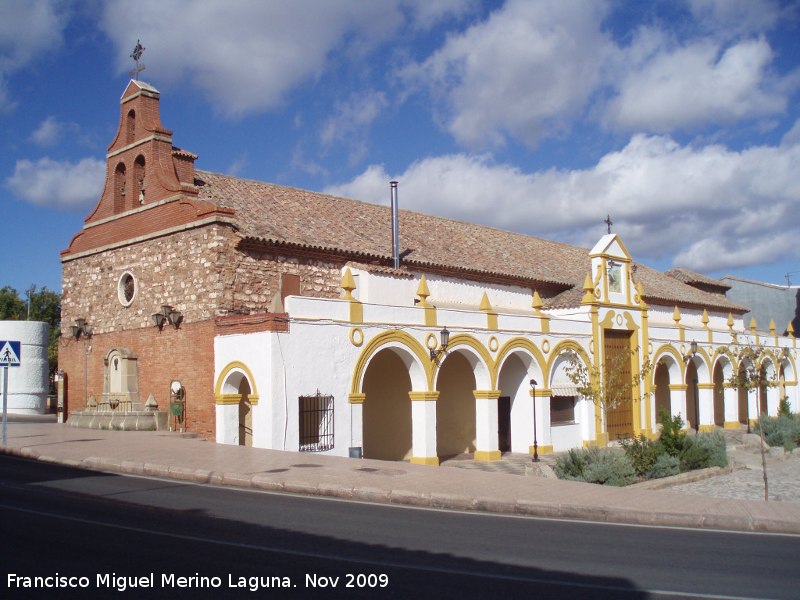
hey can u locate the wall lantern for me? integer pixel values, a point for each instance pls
(167, 315)
(81, 329)
(444, 341)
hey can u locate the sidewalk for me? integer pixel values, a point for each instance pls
(174, 456)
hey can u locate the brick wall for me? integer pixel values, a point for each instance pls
(185, 354)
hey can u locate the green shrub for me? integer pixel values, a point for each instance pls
(714, 442)
(784, 408)
(594, 465)
(673, 437)
(572, 464)
(642, 453)
(694, 456)
(781, 431)
(665, 466)
(610, 468)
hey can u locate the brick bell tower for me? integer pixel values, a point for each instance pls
(142, 165)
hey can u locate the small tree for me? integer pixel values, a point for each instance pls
(612, 384)
(750, 375)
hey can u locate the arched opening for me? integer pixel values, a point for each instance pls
(130, 127)
(663, 396)
(245, 414)
(119, 189)
(719, 395)
(387, 408)
(763, 377)
(513, 421)
(744, 409)
(455, 407)
(692, 406)
(138, 178)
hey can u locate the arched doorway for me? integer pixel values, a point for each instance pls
(387, 408)
(719, 395)
(742, 394)
(663, 396)
(692, 407)
(455, 407)
(245, 414)
(514, 406)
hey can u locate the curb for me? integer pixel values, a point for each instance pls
(492, 505)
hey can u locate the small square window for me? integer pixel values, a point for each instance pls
(562, 410)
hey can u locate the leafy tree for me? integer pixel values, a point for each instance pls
(612, 384)
(752, 376)
(11, 305)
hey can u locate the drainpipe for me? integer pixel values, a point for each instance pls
(395, 227)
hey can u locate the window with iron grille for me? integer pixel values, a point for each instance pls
(316, 423)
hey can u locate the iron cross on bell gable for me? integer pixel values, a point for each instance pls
(136, 55)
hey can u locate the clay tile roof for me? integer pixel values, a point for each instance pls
(692, 278)
(361, 231)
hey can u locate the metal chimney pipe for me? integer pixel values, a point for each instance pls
(395, 227)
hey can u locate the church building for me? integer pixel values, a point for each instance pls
(265, 315)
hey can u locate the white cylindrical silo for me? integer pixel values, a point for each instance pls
(28, 383)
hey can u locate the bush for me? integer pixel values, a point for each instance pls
(572, 464)
(781, 431)
(673, 437)
(643, 453)
(665, 466)
(694, 456)
(610, 468)
(784, 408)
(593, 465)
(714, 442)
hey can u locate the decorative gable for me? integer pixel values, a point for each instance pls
(611, 271)
(142, 166)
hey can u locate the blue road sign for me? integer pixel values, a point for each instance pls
(10, 353)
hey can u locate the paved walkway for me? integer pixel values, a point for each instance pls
(495, 487)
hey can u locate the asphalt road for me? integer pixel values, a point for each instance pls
(95, 534)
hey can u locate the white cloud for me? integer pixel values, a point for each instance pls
(792, 136)
(712, 207)
(59, 184)
(350, 122)
(695, 85)
(737, 17)
(27, 30)
(51, 130)
(247, 56)
(524, 73)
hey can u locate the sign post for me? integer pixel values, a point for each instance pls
(10, 352)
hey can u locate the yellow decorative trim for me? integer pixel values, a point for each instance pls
(356, 398)
(228, 399)
(356, 336)
(485, 305)
(430, 316)
(423, 396)
(588, 291)
(600, 442)
(432, 461)
(542, 450)
(493, 344)
(487, 455)
(705, 386)
(541, 392)
(431, 342)
(423, 292)
(708, 428)
(731, 425)
(356, 312)
(678, 387)
(376, 344)
(491, 321)
(546, 346)
(348, 284)
(486, 394)
(235, 365)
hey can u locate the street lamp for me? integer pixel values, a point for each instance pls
(444, 341)
(535, 441)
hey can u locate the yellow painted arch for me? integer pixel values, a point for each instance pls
(377, 344)
(235, 365)
(661, 351)
(463, 339)
(566, 346)
(520, 343)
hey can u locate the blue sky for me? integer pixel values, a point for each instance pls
(679, 119)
